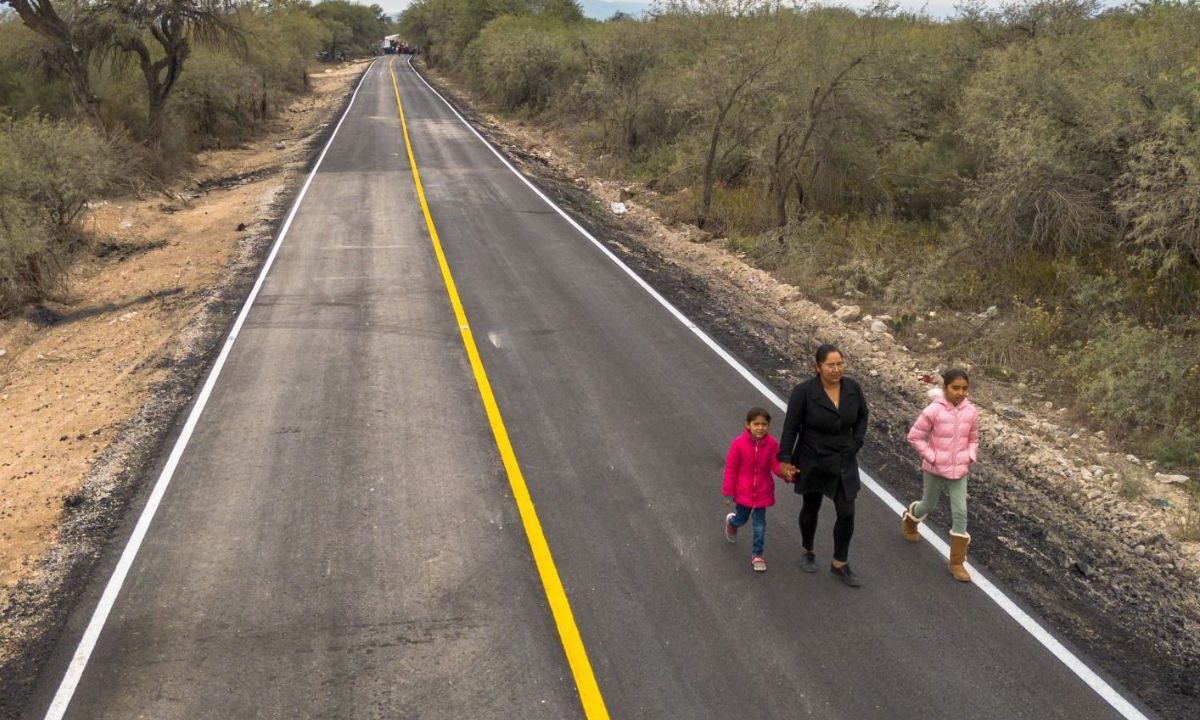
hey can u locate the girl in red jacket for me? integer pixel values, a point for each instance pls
(748, 482)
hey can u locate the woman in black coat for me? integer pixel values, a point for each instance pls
(822, 433)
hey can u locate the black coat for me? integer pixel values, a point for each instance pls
(822, 440)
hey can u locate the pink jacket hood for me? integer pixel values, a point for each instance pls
(946, 436)
(748, 469)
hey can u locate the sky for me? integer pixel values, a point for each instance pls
(604, 9)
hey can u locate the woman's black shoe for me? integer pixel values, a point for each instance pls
(846, 575)
(808, 563)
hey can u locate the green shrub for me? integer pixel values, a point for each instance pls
(1160, 199)
(29, 265)
(1181, 449)
(1139, 380)
(57, 166)
(24, 86)
(280, 43)
(524, 62)
(621, 62)
(49, 170)
(922, 178)
(219, 101)
(1041, 327)
(741, 210)
(1131, 487)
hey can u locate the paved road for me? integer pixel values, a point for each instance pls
(340, 539)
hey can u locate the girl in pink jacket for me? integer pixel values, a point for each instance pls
(748, 483)
(946, 436)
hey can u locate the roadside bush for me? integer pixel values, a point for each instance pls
(1139, 380)
(1160, 199)
(57, 166)
(49, 170)
(351, 28)
(621, 60)
(1044, 169)
(219, 101)
(280, 42)
(843, 255)
(524, 62)
(1037, 193)
(1040, 326)
(1189, 527)
(740, 210)
(29, 267)
(24, 87)
(1181, 449)
(922, 179)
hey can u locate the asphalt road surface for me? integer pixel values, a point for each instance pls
(340, 538)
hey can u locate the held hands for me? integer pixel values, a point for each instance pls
(789, 472)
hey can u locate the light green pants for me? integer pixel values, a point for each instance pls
(956, 489)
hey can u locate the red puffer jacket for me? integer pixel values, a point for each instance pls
(748, 469)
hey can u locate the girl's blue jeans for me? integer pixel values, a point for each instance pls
(758, 516)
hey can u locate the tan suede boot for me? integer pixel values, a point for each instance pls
(909, 523)
(958, 555)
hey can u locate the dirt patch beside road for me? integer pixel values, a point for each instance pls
(92, 382)
(1048, 519)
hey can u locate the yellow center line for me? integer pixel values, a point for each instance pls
(560, 607)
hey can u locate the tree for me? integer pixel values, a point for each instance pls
(823, 67)
(1045, 170)
(172, 25)
(564, 11)
(72, 42)
(621, 57)
(735, 45)
(1038, 18)
(1160, 200)
(444, 28)
(354, 27)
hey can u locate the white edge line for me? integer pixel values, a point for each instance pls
(66, 689)
(1056, 648)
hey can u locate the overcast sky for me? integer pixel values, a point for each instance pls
(602, 9)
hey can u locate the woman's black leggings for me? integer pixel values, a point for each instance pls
(843, 528)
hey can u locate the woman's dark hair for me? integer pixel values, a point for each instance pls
(824, 351)
(757, 412)
(955, 374)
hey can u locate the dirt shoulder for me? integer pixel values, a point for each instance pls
(92, 382)
(1051, 516)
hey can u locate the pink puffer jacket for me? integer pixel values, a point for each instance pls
(946, 436)
(748, 469)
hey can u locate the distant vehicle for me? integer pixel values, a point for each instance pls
(393, 45)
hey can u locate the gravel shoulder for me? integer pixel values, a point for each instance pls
(1048, 518)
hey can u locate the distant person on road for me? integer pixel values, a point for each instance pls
(823, 431)
(946, 436)
(749, 485)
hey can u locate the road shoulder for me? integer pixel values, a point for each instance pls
(94, 382)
